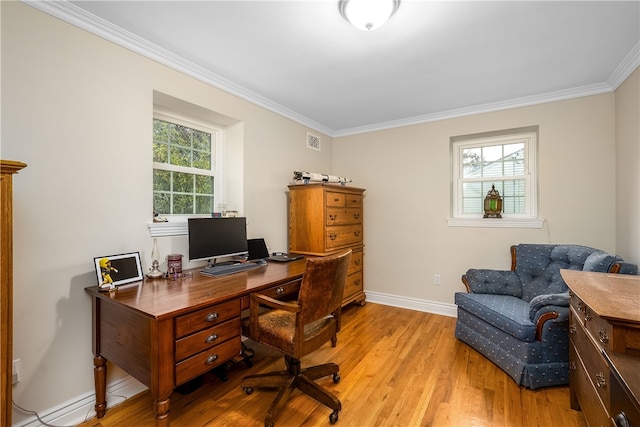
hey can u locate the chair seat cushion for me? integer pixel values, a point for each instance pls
(277, 328)
(505, 312)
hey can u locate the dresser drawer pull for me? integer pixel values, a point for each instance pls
(587, 315)
(573, 329)
(211, 359)
(335, 199)
(601, 380)
(580, 306)
(356, 216)
(572, 365)
(279, 290)
(356, 233)
(357, 262)
(211, 338)
(333, 217)
(333, 236)
(211, 317)
(603, 336)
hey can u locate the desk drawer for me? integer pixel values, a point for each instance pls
(206, 317)
(207, 338)
(207, 360)
(280, 291)
(341, 236)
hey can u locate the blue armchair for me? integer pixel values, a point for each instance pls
(518, 319)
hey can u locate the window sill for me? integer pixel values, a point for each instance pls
(171, 228)
(496, 222)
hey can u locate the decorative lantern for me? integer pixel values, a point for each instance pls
(493, 204)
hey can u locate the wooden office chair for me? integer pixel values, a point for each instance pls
(298, 328)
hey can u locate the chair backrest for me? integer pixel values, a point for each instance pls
(322, 286)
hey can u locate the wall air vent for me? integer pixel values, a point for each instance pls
(313, 141)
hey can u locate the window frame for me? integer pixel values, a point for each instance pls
(217, 163)
(528, 219)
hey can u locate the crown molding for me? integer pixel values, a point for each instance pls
(74, 15)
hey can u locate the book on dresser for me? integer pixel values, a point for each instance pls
(604, 350)
(325, 219)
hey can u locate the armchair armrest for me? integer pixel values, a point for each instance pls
(497, 282)
(544, 308)
(623, 267)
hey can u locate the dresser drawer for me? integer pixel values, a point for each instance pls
(596, 367)
(207, 360)
(335, 199)
(353, 285)
(356, 263)
(206, 317)
(590, 403)
(207, 338)
(353, 200)
(599, 328)
(344, 216)
(338, 237)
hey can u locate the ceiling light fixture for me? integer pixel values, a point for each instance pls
(367, 15)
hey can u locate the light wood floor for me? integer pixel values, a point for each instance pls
(399, 368)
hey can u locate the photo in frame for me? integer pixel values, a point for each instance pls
(115, 270)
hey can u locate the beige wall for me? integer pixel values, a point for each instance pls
(77, 109)
(627, 167)
(406, 172)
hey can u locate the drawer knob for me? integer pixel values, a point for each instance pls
(211, 317)
(572, 366)
(333, 236)
(211, 338)
(601, 380)
(580, 306)
(211, 359)
(603, 336)
(587, 315)
(621, 420)
(280, 290)
(335, 199)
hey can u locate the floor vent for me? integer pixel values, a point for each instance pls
(313, 141)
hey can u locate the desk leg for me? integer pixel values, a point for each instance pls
(162, 412)
(100, 379)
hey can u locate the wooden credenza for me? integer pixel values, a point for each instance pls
(604, 354)
(7, 169)
(325, 219)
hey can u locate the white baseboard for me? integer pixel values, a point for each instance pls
(426, 306)
(80, 409)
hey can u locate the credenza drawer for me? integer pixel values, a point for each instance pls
(206, 317)
(590, 403)
(207, 360)
(344, 216)
(280, 291)
(354, 284)
(597, 369)
(341, 236)
(200, 341)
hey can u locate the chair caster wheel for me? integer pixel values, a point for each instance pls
(333, 418)
(248, 390)
(336, 378)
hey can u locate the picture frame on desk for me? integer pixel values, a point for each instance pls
(116, 270)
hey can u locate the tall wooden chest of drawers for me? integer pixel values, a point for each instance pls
(325, 219)
(604, 354)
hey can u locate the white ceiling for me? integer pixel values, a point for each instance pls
(431, 60)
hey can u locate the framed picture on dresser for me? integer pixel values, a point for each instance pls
(115, 270)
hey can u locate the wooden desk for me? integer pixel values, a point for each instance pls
(165, 333)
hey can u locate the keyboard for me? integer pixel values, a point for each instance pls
(224, 269)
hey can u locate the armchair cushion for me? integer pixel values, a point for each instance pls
(496, 282)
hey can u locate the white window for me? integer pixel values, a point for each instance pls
(185, 171)
(506, 160)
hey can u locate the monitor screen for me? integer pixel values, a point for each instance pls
(211, 238)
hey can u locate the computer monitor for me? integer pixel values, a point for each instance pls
(212, 238)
